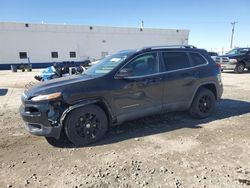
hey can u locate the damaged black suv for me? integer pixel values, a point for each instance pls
(124, 86)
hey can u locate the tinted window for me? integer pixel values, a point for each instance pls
(54, 54)
(175, 60)
(23, 55)
(144, 65)
(197, 59)
(72, 54)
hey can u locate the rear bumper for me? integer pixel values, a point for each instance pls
(36, 120)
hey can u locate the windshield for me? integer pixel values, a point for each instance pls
(107, 64)
(240, 51)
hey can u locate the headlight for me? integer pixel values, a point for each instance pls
(47, 97)
(233, 60)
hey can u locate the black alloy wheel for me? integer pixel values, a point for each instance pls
(203, 103)
(240, 67)
(86, 125)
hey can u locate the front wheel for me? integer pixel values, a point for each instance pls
(86, 125)
(239, 68)
(203, 103)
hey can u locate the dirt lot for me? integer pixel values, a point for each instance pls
(167, 150)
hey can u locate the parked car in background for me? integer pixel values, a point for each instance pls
(124, 86)
(213, 55)
(237, 59)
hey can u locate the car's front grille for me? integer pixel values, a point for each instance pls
(222, 60)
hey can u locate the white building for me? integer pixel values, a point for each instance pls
(46, 43)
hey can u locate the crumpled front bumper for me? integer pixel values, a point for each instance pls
(36, 118)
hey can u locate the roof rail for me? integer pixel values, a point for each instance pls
(167, 46)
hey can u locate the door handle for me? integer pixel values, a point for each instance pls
(149, 81)
(152, 80)
(142, 83)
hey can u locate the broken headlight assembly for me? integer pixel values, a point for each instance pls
(51, 96)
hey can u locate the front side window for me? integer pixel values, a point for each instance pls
(175, 60)
(144, 65)
(197, 59)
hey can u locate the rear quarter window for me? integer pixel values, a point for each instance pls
(175, 60)
(197, 59)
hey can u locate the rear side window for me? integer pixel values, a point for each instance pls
(197, 59)
(175, 60)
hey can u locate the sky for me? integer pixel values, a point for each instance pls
(208, 20)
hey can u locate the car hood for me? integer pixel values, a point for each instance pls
(55, 85)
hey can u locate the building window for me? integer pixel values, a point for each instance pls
(23, 55)
(104, 54)
(54, 54)
(72, 54)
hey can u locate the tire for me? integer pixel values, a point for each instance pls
(203, 104)
(86, 125)
(239, 68)
(61, 142)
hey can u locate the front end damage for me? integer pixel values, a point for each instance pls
(42, 118)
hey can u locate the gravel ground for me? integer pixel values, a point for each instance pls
(166, 150)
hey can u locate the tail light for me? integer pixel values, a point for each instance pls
(218, 65)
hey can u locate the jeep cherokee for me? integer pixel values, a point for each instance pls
(124, 86)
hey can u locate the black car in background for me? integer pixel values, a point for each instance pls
(124, 86)
(237, 59)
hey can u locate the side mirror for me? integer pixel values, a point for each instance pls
(125, 72)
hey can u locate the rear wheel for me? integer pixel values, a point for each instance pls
(239, 68)
(203, 103)
(86, 125)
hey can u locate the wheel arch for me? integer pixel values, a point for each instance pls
(243, 62)
(97, 101)
(208, 85)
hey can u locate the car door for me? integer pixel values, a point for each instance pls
(179, 80)
(248, 59)
(141, 93)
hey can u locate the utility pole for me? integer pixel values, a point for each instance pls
(232, 36)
